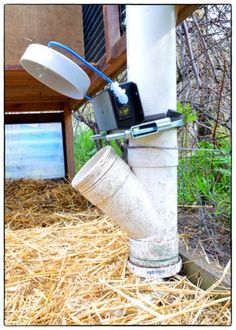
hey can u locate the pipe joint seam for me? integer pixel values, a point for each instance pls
(153, 249)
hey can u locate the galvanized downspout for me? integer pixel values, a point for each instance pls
(151, 64)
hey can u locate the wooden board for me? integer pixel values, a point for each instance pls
(196, 268)
(111, 28)
(34, 107)
(22, 88)
(69, 145)
(26, 24)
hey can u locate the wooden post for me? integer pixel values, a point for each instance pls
(69, 148)
(111, 29)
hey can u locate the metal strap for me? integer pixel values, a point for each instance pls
(143, 129)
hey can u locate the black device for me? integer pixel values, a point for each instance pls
(112, 115)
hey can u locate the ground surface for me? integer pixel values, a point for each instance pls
(207, 237)
(66, 264)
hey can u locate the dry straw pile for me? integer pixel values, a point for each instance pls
(66, 264)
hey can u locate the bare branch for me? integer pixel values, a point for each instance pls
(195, 69)
(205, 47)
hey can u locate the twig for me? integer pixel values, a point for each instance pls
(205, 47)
(195, 206)
(195, 69)
(219, 106)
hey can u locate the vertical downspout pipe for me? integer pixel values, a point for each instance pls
(151, 64)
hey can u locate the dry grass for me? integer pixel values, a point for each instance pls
(66, 264)
(41, 203)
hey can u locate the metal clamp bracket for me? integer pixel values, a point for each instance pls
(147, 128)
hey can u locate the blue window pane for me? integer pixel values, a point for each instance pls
(34, 151)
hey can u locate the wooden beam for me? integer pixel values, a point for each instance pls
(21, 87)
(196, 267)
(119, 48)
(21, 95)
(69, 146)
(31, 107)
(15, 75)
(111, 29)
(33, 118)
(183, 11)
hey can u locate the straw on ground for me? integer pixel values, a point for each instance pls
(73, 269)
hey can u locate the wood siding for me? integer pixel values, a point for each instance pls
(26, 24)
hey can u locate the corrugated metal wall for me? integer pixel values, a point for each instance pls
(94, 37)
(93, 28)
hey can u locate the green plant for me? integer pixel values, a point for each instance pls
(189, 115)
(205, 177)
(85, 148)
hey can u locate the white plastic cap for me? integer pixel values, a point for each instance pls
(55, 71)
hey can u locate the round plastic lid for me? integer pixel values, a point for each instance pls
(55, 70)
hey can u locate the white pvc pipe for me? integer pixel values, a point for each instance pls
(108, 182)
(151, 64)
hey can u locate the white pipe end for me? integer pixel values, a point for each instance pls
(155, 272)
